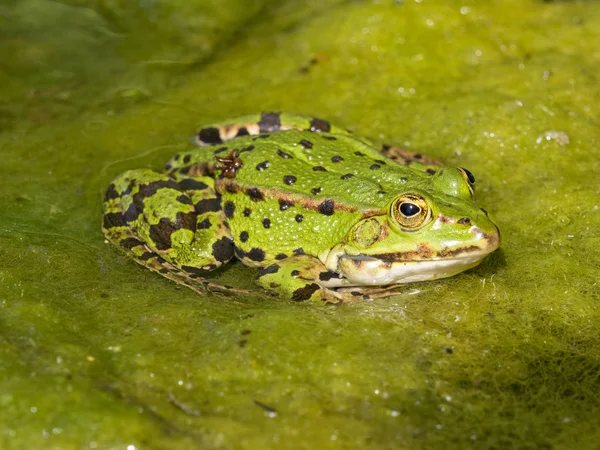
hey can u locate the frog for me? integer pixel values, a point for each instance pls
(321, 213)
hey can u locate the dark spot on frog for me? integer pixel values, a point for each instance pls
(187, 158)
(104, 295)
(208, 205)
(359, 154)
(380, 161)
(247, 212)
(330, 138)
(129, 188)
(302, 294)
(299, 218)
(375, 167)
(464, 221)
(273, 268)
(336, 159)
(194, 270)
(306, 143)
(229, 209)
(222, 249)
(164, 270)
(111, 193)
(418, 156)
(299, 251)
(111, 220)
(210, 136)
(189, 184)
(430, 171)
(266, 222)
(316, 190)
(283, 154)
(242, 131)
(448, 350)
(244, 236)
(326, 276)
(269, 122)
(184, 199)
(231, 188)
(318, 125)
(247, 149)
(256, 254)
(245, 332)
(135, 209)
(261, 136)
(289, 179)
(327, 207)
(346, 176)
(242, 342)
(147, 190)
(177, 156)
(161, 232)
(356, 293)
(295, 273)
(130, 243)
(204, 225)
(284, 204)
(255, 194)
(145, 256)
(319, 169)
(274, 285)
(280, 256)
(220, 150)
(262, 166)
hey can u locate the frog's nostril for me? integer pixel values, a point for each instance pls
(464, 221)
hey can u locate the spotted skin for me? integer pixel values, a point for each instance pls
(287, 194)
(296, 279)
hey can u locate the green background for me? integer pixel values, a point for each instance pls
(97, 352)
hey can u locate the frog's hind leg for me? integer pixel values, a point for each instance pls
(266, 122)
(176, 231)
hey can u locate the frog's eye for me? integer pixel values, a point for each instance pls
(469, 178)
(411, 212)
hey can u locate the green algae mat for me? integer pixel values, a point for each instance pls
(98, 352)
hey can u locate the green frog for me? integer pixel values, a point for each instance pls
(322, 213)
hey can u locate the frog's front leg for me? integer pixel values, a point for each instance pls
(176, 229)
(300, 278)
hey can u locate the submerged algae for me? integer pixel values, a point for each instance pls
(99, 353)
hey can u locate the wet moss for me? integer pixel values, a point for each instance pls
(98, 352)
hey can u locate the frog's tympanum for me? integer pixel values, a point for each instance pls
(323, 214)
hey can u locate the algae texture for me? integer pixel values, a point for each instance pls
(97, 352)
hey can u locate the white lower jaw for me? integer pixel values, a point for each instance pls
(366, 271)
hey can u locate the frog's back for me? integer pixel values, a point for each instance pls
(296, 192)
(314, 166)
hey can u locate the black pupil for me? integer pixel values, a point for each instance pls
(409, 209)
(470, 176)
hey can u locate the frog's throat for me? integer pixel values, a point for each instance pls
(381, 270)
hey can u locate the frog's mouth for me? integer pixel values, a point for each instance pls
(396, 268)
(365, 270)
